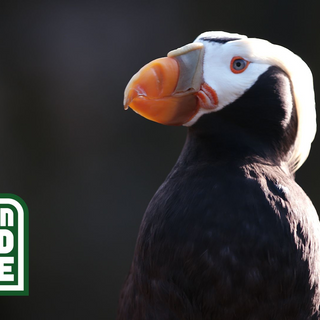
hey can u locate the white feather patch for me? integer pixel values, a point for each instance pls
(261, 54)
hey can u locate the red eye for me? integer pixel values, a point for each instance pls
(238, 64)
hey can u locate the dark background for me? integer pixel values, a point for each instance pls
(86, 168)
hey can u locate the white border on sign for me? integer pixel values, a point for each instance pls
(20, 285)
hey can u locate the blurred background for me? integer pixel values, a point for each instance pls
(86, 168)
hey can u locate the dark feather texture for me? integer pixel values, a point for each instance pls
(219, 40)
(229, 234)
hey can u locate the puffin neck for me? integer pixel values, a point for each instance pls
(226, 147)
(260, 126)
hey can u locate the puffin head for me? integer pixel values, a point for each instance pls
(251, 85)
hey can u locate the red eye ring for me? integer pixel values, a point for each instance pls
(238, 64)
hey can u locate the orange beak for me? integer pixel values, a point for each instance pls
(165, 90)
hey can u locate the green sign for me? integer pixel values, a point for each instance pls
(14, 246)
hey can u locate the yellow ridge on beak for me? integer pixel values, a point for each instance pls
(165, 89)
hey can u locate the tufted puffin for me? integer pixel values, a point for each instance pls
(229, 234)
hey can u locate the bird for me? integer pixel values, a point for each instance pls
(229, 234)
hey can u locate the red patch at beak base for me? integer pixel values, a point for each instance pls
(207, 97)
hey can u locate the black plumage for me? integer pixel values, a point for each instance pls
(229, 234)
